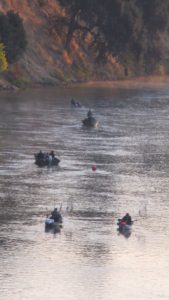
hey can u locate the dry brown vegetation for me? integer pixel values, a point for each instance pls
(46, 60)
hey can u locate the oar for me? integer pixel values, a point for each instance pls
(60, 207)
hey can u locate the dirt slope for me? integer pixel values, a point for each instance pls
(46, 60)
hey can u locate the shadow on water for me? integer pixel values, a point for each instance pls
(125, 233)
(54, 230)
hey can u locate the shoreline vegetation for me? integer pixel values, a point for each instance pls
(7, 86)
(140, 82)
(63, 43)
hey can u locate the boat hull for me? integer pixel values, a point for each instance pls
(90, 122)
(50, 224)
(124, 229)
(45, 162)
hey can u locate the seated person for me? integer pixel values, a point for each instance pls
(73, 102)
(40, 155)
(56, 215)
(78, 104)
(52, 154)
(89, 114)
(127, 219)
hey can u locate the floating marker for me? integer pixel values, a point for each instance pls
(94, 168)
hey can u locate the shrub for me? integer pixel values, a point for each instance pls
(3, 60)
(12, 35)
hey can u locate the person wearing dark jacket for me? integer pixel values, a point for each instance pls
(127, 219)
(40, 155)
(52, 154)
(56, 216)
(89, 114)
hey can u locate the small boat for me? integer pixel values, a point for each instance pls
(75, 103)
(50, 224)
(124, 228)
(90, 122)
(54, 221)
(45, 159)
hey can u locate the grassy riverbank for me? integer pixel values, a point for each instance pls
(140, 82)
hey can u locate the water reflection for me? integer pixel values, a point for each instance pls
(125, 233)
(54, 230)
(130, 152)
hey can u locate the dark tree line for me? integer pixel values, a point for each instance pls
(124, 28)
(12, 35)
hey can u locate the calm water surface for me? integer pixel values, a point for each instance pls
(88, 259)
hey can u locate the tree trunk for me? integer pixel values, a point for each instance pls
(71, 29)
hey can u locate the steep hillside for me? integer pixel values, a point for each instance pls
(45, 60)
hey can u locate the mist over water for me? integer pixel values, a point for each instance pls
(87, 259)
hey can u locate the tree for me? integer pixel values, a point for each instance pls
(12, 35)
(79, 16)
(123, 28)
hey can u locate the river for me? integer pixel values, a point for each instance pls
(88, 258)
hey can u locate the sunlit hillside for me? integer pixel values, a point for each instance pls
(83, 41)
(45, 59)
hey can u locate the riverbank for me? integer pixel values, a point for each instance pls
(141, 82)
(7, 86)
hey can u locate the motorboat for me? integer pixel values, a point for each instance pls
(75, 103)
(45, 159)
(90, 121)
(124, 228)
(51, 225)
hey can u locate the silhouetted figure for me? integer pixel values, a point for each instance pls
(56, 216)
(127, 219)
(73, 102)
(40, 155)
(89, 114)
(52, 154)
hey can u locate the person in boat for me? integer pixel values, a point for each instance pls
(50, 159)
(46, 157)
(89, 114)
(127, 219)
(78, 104)
(73, 102)
(52, 154)
(40, 155)
(56, 216)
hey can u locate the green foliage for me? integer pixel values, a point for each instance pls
(3, 60)
(12, 35)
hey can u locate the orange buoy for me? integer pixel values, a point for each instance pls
(94, 168)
